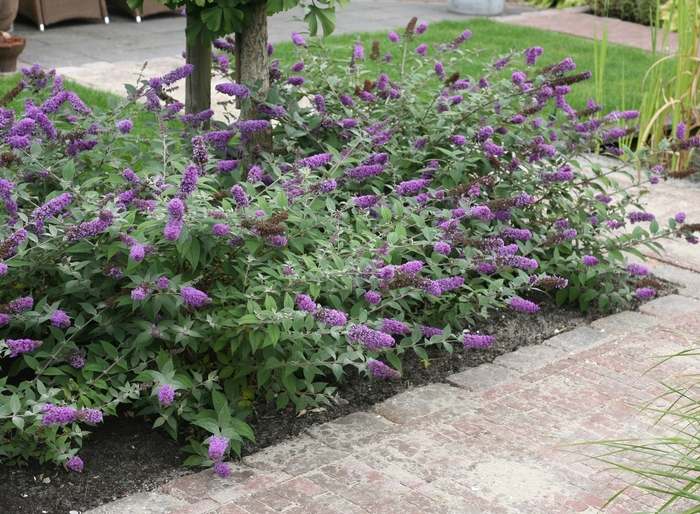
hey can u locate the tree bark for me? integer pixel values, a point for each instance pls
(198, 83)
(253, 58)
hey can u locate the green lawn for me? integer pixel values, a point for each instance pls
(624, 73)
(91, 97)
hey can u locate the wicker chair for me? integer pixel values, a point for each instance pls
(47, 12)
(149, 7)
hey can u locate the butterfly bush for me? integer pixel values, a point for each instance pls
(190, 274)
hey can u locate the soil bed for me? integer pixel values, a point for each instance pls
(124, 455)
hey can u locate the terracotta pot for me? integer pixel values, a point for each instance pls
(10, 48)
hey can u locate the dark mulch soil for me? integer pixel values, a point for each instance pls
(124, 456)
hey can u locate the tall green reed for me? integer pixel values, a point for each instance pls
(671, 84)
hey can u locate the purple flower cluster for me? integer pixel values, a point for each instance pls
(331, 317)
(519, 304)
(442, 248)
(194, 297)
(298, 40)
(305, 303)
(220, 230)
(645, 293)
(373, 297)
(19, 346)
(239, 195)
(422, 50)
(230, 89)
(563, 174)
(20, 305)
(637, 270)
(315, 161)
(166, 395)
(680, 217)
(636, 217)
(411, 187)
(129, 175)
(391, 326)
(364, 171)
(531, 55)
(90, 228)
(217, 447)
(477, 341)
(52, 207)
(374, 340)
(60, 319)
(381, 370)
(125, 126)
(410, 268)
(515, 233)
(589, 260)
(176, 209)
(76, 464)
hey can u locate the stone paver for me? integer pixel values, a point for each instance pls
(577, 339)
(671, 305)
(624, 322)
(482, 377)
(419, 402)
(142, 503)
(528, 358)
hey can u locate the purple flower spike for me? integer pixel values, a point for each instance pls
(358, 52)
(298, 40)
(422, 50)
(373, 297)
(125, 126)
(380, 370)
(443, 248)
(166, 395)
(589, 260)
(194, 297)
(222, 469)
(638, 270)
(680, 217)
(331, 317)
(236, 90)
(477, 341)
(60, 319)
(645, 293)
(394, 37)
(374, 340)
(18, 346)
(220, 230)
(217, 447)
(519, 304)
(76, 464)
(305, 303)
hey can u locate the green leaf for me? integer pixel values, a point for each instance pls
(18, 422)
(212, 18)
(394, 361)
(327, 19)
(273, 335)
(68, 171)
(311, 20)
(15, 404)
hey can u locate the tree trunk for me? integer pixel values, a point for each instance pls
(198, 83)
(253, 58)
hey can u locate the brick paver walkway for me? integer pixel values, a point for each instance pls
(589, 26)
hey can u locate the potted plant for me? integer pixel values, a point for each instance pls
(10, 48)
